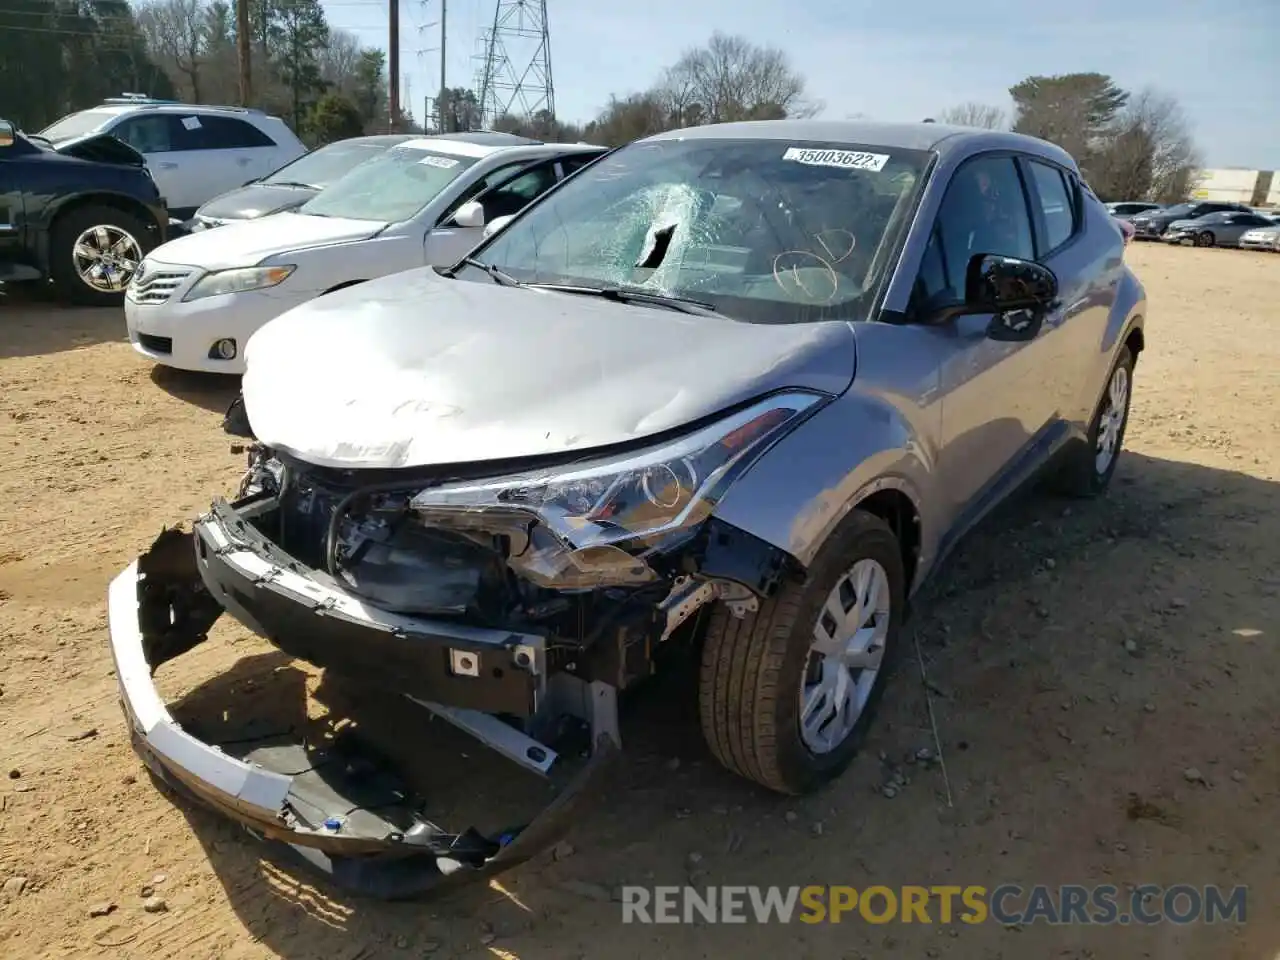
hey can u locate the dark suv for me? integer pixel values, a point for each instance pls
(1153, 224)
(83, 215)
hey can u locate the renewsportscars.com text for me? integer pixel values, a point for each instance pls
(1006, 904)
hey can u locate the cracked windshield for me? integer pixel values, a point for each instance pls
(764, 230)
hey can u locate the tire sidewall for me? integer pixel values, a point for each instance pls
(67, 228)
(861, 536)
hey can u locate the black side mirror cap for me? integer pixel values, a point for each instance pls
(1016, 292)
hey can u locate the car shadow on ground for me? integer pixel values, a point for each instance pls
(209, 391)
(34, 322)
(1053, 622)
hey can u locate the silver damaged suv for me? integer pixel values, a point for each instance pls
(740, 386)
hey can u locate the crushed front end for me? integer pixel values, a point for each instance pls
(514, 607)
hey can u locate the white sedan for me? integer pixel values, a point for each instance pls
(195, 301)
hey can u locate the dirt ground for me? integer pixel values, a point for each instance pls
(1103, 678)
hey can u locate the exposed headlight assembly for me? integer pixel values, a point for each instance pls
(591, 523)
(239, 280)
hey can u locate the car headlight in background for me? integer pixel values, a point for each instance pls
(239, 280)
(593, 519)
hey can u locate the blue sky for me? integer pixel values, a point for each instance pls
(893, 61)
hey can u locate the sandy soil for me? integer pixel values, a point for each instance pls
(1081, 657)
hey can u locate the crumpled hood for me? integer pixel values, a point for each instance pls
(100, 148)
(255, 200)
(417, 369)
(249, 243)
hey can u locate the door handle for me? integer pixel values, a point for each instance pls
(243, 161)
(167, 165)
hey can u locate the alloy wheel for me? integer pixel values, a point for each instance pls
(106, 258)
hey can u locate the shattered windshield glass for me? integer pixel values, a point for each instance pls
(761, 230)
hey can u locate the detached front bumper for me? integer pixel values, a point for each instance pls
(158, 608)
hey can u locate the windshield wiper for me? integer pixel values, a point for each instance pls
(289, 183)
(496, 274)
(624, 295)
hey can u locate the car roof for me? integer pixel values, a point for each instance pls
(940, 138)
(459, 147)
(493, 138)
(390, 139)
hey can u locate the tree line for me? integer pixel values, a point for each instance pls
(57, 56)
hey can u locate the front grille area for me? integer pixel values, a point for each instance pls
(155, 344)
(157, 286)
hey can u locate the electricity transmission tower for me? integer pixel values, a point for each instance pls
(515, 72)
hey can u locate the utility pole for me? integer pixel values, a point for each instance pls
(443, 102)
(393, 66)
(242, 51)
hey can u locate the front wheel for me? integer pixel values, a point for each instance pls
(94, 252)
(786, 694)
(1205, 239)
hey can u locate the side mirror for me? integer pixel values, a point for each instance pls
(497, 224)
(6, 133)
(470, 214)
(1017, 292)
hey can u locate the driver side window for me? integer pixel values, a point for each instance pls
(983, 211)
(516, 194)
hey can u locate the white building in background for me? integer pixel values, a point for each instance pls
(1232, 185)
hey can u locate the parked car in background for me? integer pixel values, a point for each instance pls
(195, 152)
(741, 386)
(82, 214)
(1152, 224)
(1129, 208)
(1222, 229)
(196, 301)
(1271, 213)
(1261, 238)
(293, 184)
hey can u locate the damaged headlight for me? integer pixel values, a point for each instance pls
(240, 280)
(638, 499)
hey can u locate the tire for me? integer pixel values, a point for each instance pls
(1083, 475)
(1205, 239)
(753, 668)
(65, 267)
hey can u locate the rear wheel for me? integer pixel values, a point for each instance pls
(787, 693)
(94, 252)
(1089, 467)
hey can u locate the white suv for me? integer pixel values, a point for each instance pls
(193, 152)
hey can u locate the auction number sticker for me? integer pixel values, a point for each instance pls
(446, 163)
(844, 159)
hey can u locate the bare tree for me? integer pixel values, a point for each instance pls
(972, 114)
(1150, 153)
(338, 59)
(177, 30)
(732, 79)
(630, 118)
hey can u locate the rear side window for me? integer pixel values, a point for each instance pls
(1057, 204)
(227, 133)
